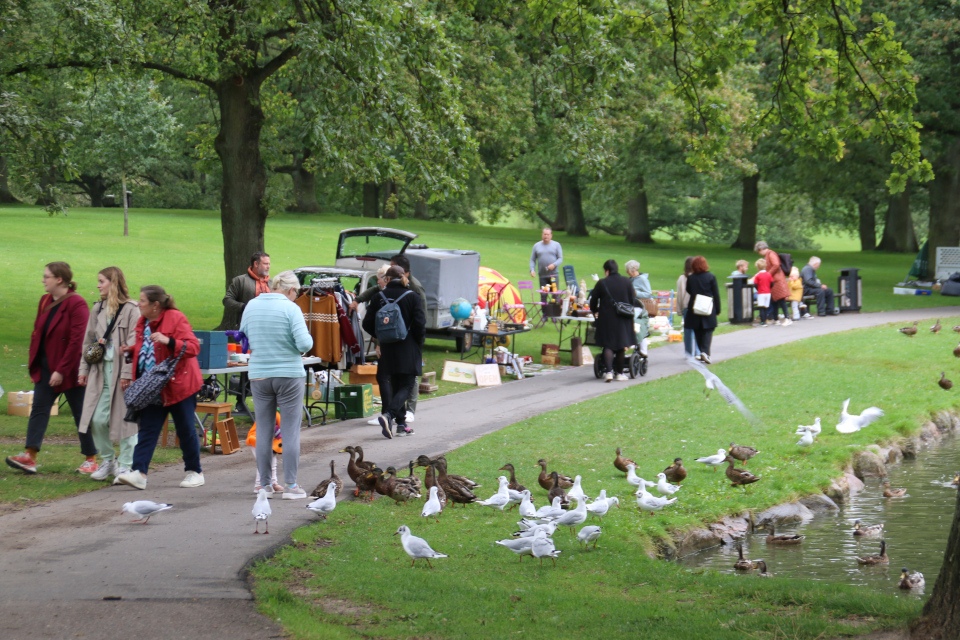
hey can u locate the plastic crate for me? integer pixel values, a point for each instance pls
(213, 349)
(357, 401)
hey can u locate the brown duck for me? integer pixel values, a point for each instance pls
(763, 570)
(514, 485)
(880, 558)
(956, 351)
(414, 479)
(429, 478)
(456, 492)
(743, 564)
(546, 482)
(945, 384)
(367, 481)
(892, 493)
(739, 477)
(741, 452)
(936, 328)
(621, 463)
(430, 481)
(353, 470)
(783, 538)
(909, 331)
(334, 478)
(676, 472)
(399, 489)
(556, 491)
(957, 328)
(465, 481)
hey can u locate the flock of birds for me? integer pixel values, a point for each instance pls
(911, 330)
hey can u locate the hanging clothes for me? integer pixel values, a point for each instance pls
(321, 315)
(348, 340)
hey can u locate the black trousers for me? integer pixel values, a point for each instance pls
(824, 300)
(43, 399)
(704, 339)
(394, 391)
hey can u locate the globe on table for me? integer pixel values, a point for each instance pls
(460, 309)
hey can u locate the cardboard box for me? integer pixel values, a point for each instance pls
(20, 403)
(365, 374)
(550, 354)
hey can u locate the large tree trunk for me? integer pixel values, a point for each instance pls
(391, 200)
(6, 197)
(749, 213)
(243, 215)
(945, 204)
(48, 183)
(570, 187)
(940, 619)
(560, 224)
(371, 200)
(96, 188)
(638, 216)
(898, 233)
(867, 219)
(304, 184)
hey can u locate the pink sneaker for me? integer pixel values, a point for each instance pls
(88, 466)
(23, 462)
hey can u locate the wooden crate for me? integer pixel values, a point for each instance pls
(226, 432)
(428, 382)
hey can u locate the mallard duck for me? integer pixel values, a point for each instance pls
(414, 479)
(850, 423)
(557, 491)
(911, 580)
(400, 489)
(783, 538)
(880, 558)
(956, 351)
(514, 485)
(456, 492)
(737, 476)
(546, 482)
(429, 478)
(321, 489)
(676, 472)
(763, 573)
(465, 481)
(742, 564)
(363, 464)
(935, 329)
(367, 481)
(956, 479)
(352, 469)
(741, 452)
(892, 493)
(909, 331)
(944, 383)
(957, 328)
(872, 530)
(621, 463)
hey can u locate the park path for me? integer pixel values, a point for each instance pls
(183, 575)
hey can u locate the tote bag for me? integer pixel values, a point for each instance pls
(703, 305)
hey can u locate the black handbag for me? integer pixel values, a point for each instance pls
(94, 353)
(146, 389)
(623, 309)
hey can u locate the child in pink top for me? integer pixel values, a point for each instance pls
(762, 282)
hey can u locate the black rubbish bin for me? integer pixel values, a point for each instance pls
(849, 291)
(740, 300)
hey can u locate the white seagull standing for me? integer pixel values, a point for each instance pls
(853, 423)
(553, 510)
(664, 487)
(576, 491)
(806, 439)
(324, 505)
(714, 461)
(635, 480)
(650, 503)
(143, 509)
(543, 548)
(416, 547)
(262, 511)
(520, 546)
(589, 534)
(713, 382)
(527, 510)
(432, 506)
(814, 428)
(599, 508)
(532, 529)
(500, 499)
(574, 517)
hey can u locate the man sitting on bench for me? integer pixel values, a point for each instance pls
(813, 287)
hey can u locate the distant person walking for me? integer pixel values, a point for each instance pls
(682, 302)
(246, 287)
(546, 258)
(278, 336)
(779, 289)
(104, 409)
(614, 332)
(53, 362)
(702, 282)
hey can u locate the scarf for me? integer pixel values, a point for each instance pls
(147, 360)
(261, 282)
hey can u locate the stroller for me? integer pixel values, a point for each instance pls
(636, 364)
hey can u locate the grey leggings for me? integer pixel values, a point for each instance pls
(286, 396)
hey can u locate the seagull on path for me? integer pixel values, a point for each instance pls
(589, 534)
(664, 487)
(851, 423)
(714, 461)
(711, 381)
(500, 499)
(543, 548)
(432, 506)
(144, 509)
(325, 505)
(416, 547)
(262, 511)
(814, 428)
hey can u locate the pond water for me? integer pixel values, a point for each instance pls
(916, 530)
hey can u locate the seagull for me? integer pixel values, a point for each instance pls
(713, 382)
(144, 509)
(714, 461)
(527, 510)
(325, 505)
(432, 506)
(599, 508)
(589, 534)
(500, 499)
(852, 423)
(516, 497)
(543, 548)
(574, 517)
(664, 487)
(814, 428)
(553, 510)
(262, 511)
(633, 479)
(549, 527)
(806, 439)
(416, 547)
(576, 491)
(650, 503)
(520, 546)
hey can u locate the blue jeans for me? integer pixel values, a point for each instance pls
(689, 341)
(152, 420)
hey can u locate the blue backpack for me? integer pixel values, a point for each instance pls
(390, 325)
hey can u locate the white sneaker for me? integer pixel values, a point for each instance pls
(294, 493)
(192, 480)
(108, 468)
(621, 378)
(374, 422)
(608, 376)
(119, 472)
(705, 357)
(807, 316)
(410, 416)
(787, 322)
(133, 479)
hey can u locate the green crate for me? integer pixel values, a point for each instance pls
(358, 399)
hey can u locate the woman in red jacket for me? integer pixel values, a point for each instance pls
(162, 331)
(54, 362)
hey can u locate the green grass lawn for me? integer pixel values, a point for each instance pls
(334, 583)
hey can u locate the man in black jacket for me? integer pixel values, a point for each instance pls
(245, 288)
(813, 287)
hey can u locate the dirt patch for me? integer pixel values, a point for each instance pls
(323, 542)
(884, 634)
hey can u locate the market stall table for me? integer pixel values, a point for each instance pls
(481, 348)
(576, 323)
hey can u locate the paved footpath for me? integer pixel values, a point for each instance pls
(183, 575)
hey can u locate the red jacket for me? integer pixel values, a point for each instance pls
(64, 340)
(186, 380)
(763, 280)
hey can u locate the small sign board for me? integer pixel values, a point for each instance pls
(457, 371)
(587, 357)
(488, 375)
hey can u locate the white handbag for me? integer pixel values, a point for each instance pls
(703, 305)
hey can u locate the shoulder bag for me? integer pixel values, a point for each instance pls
(622, 309)
(94, 353)
(145, 390)
(703, 305)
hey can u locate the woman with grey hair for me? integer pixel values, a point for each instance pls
(641, 286)
(779, 288)
(278, 336)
